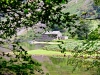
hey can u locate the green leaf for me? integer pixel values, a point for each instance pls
(48, 1)
(26, 11)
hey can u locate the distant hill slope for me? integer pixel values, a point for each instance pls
(80, 6)
(74, 6)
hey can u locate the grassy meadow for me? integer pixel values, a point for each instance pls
(47, 53)
(56, 64)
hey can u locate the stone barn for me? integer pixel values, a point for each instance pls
(51, 35)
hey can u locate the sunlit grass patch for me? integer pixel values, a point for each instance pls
(45, 52)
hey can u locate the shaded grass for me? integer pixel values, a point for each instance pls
(60, 67)
(27, 46)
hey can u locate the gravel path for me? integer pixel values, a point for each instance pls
(42, 58)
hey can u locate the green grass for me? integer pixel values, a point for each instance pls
(59, 54)
(45, 52)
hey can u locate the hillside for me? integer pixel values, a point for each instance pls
(80, 6)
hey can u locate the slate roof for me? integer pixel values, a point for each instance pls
(54, 32)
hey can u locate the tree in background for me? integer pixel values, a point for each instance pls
(94, 35)
(83, 30)
(88, 52)
(97, 2)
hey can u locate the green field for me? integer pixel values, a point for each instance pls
(59, 64)
(47, 53)
(60, 67)
(59, 54)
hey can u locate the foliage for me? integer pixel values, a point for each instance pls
(94, 35)
(79, 30)
(44, 11)
(97, 2)
(16, 14)
(83, 30)
(89, 51)
(19, 62)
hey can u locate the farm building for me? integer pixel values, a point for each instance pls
(50, 35)
(53, 35)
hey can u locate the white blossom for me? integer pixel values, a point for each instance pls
(28, 15)
(41, 4)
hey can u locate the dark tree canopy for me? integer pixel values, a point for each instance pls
(97, 2)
